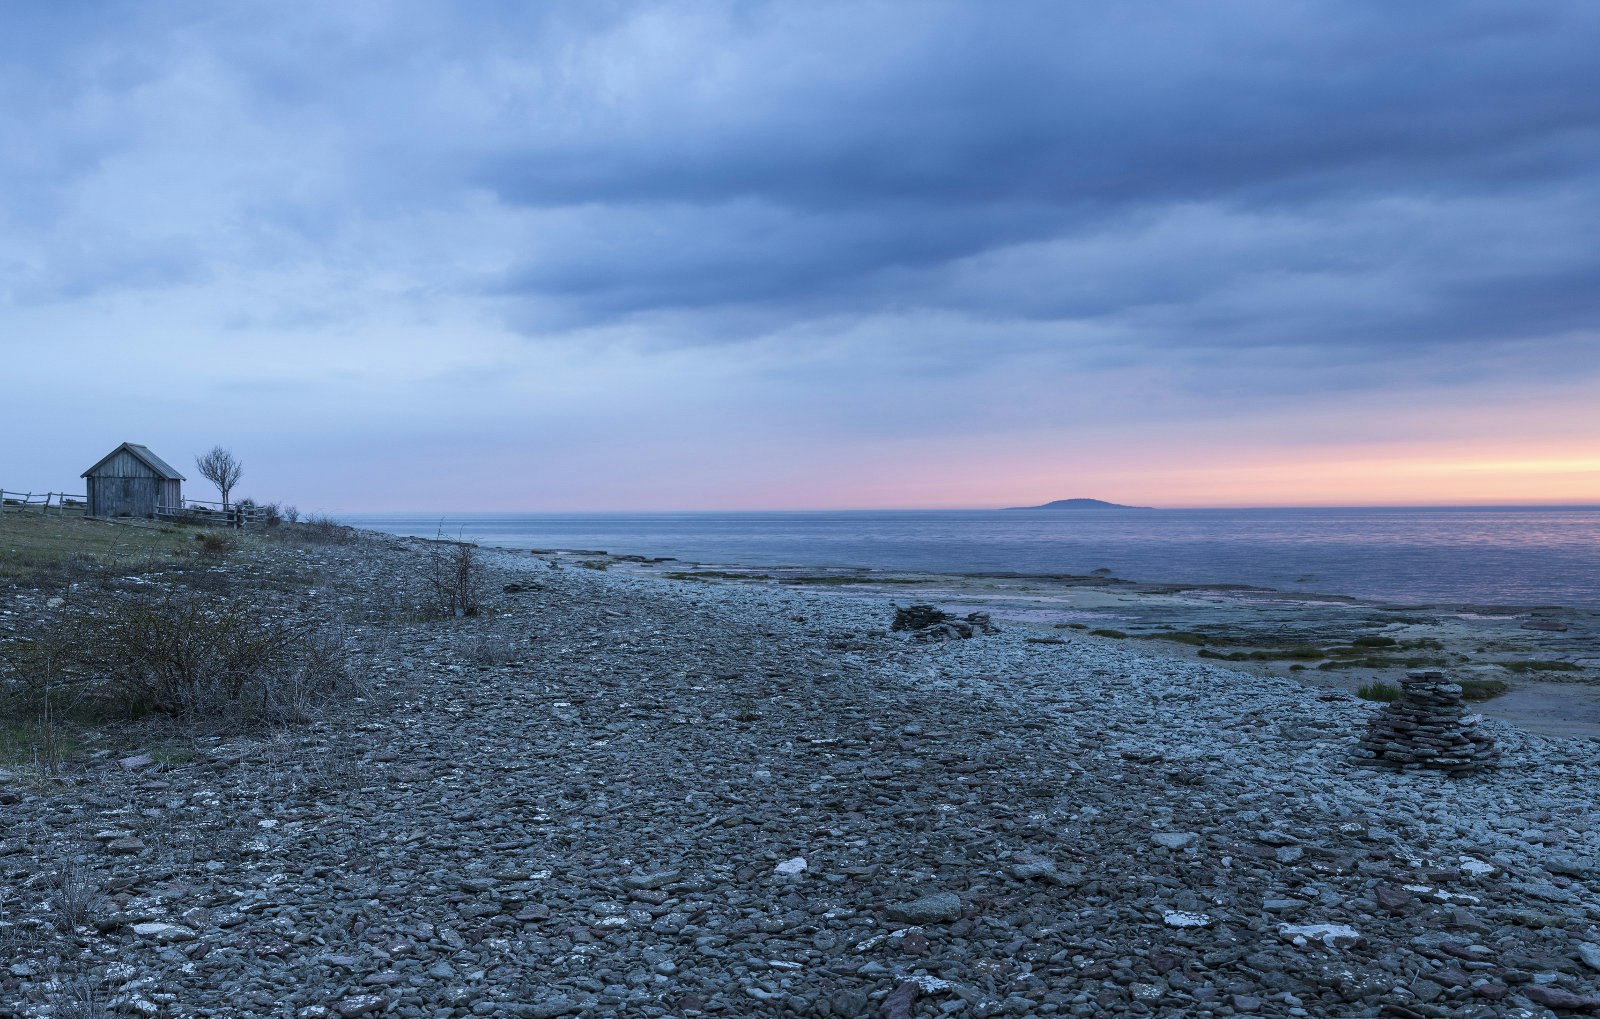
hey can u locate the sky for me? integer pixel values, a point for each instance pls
(743, 255)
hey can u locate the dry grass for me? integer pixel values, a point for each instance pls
(41, 548)
(180, 654)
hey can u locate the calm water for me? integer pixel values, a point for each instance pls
(1484, 556)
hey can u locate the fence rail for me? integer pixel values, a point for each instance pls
(41, 501)
(203, 510)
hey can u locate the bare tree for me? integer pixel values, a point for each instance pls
(222, 469)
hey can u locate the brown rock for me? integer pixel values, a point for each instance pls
(1557, 998)
(1392, 898)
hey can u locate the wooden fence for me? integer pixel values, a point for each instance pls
(195, 510)
(206, 511)
(41, 501)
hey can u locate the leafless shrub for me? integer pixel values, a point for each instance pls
(324, 530)
(75, 897)
(215, 544)
(297, 692)
(36, 689)
(489, 649)
(291, 514)
(454, 576)
(189, 657)
(82, 997)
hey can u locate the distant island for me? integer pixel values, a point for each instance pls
(1079, 504)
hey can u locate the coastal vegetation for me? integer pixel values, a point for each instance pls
(848, 581)
(1378, 691)
(1178, 637)
(112, 621)
(1540, 666)
(1482, 689)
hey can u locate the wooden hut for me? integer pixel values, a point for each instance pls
(132, 482)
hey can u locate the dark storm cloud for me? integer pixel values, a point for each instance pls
(1052, 104)
(910, 145)
(1217, 177)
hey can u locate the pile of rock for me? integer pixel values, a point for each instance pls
(1428, 727)
(928, 623)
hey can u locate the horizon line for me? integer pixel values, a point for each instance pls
(992, 509)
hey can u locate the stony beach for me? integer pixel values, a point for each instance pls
(618, 793)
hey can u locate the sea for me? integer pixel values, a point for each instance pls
(1473, 556)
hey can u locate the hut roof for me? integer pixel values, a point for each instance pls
(144, 456)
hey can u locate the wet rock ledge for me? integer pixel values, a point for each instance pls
(619, 795)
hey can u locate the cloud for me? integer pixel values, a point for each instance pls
(850, 222)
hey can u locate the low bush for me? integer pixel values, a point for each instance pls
(179, 654)
(454, 576)
(486, 651)
(1383, 662)
(1482, 689)
(1113, 634)
(214, 544)
(1178, 636)
(1304, 653)
(324, 530)
(1375, 642)
(1378, 691)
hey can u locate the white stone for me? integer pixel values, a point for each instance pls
(789, 868)
(1179, 918)
(1334, 935)
(163, 931)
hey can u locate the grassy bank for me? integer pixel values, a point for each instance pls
(114, 625)
(38, 549)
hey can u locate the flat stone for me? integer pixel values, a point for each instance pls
(1182, 918)
(1589, 952)
(1392, 898)
(940, 907)
(1173, 839)
(548, 1008)
(1560, 998)
(789, 868)
(1334, 935)
(163, 931)
(1284, 905)
(360, 1004)
(1570, 866)
(651, 881)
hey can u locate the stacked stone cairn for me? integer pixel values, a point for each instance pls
(1428, 727)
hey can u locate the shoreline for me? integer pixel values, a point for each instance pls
(1521, 570)
(1552, 682)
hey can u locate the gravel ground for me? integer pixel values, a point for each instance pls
(619, 795)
